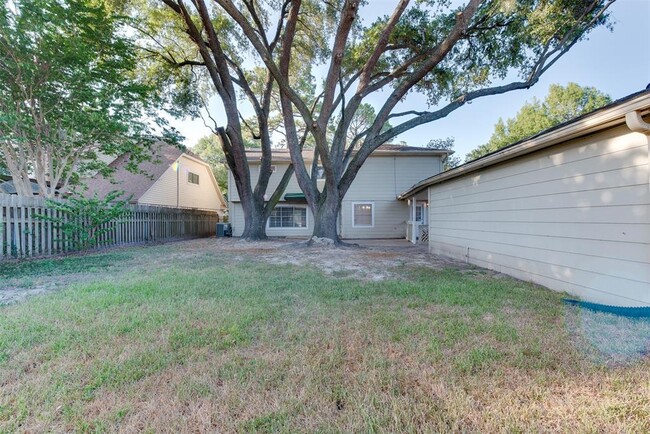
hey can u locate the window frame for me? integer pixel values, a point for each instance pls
(423, 214)
(268, 221)
(372, 214)
(198, 178)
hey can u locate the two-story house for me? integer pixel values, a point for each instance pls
(370, 208)
(173, 178)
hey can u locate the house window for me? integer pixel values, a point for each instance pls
(419, 214)
(363, 214)
(288, 217)
(192, 178)
(320, 172)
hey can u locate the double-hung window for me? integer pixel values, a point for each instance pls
(363, 214)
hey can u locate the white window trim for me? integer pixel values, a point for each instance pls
(372, 218)
(424, 213)
(268, 220)
(187, 178)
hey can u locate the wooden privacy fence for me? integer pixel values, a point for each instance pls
(24, 235)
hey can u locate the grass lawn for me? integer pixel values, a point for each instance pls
(220, 341)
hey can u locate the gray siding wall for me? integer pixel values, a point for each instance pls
(389, 220)
(575, 218)
(380, 180)
(275, 179)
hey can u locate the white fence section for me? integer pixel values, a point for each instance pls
(24, 235)
(417, 232)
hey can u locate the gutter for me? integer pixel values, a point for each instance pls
(599, 120)
(635, 122)
(426, 152)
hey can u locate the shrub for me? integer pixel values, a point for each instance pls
(83, 220)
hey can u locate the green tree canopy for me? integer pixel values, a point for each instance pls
(562, 104)
(447, 143)
(209, 149)
(68, 92)
(198, 51)
(451, 52)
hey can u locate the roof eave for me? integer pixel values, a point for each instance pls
(589, 124)
(423, 153)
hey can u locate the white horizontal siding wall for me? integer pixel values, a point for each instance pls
(203, 196)
(163, 191)
(236, 213)
(236, 217)
(574, 217)
(389, 220)
(379, 180)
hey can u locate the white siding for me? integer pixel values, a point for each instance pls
(236, 218)
(202, 196)
(574, 217)
(379, 180)
(389, 222)
(163, 191)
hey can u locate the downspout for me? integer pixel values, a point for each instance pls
(635, 123)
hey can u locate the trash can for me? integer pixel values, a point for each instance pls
(224, 230)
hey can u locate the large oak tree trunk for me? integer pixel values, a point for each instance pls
(326, 215)
(254, 222)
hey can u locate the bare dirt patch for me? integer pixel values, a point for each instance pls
(367, 262)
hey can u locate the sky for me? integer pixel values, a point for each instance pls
(617, 63)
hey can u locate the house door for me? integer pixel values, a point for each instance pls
(420, 214)
(421, 220)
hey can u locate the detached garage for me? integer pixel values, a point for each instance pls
(568, 209)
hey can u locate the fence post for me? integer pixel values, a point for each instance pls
(23, 234)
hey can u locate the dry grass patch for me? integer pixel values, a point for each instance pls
(188, 340)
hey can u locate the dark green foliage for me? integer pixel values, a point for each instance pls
(562, 104)
(69, 92)
(505, 38)
(209, 149)
(448, 144)
(86, 220)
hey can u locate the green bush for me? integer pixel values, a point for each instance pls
(83, 220)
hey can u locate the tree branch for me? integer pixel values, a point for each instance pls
(369, 67)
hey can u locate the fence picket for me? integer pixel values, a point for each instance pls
(24, 234)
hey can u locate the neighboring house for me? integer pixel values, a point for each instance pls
(568, 209)
(172, 178)
(8, 187)
(370, 208)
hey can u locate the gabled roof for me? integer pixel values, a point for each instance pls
(282, 155)
(605, 117)
(136, 184)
